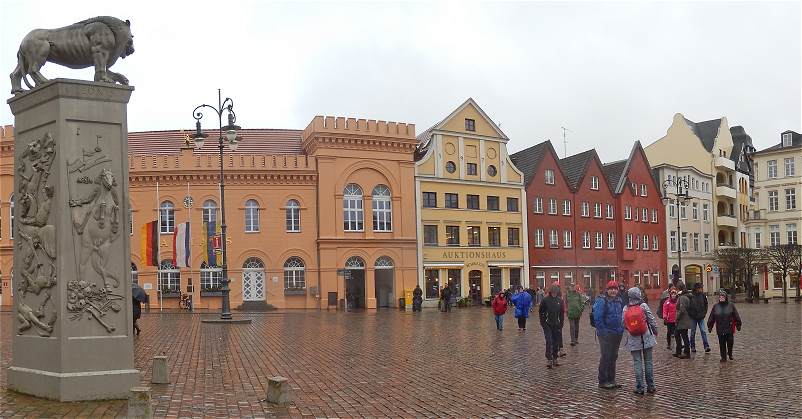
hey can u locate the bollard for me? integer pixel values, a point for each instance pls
(159, 375)
(139, 406)
(278, 391)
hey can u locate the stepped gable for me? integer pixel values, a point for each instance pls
(252, 141)
(574, 167)
(527, 160)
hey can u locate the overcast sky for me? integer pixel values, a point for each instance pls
(610, 72)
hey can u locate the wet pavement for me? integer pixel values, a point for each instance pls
(431, 364)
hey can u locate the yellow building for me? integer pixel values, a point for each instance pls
(471, 208)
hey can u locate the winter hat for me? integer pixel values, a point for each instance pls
(634, 295)
(724, 292)
(612, 284)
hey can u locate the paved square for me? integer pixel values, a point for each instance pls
(431, 364)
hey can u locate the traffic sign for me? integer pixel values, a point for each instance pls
(709, 268)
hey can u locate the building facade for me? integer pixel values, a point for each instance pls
(470, 201)
(319, 217)
(712, 153)
(571, 217)
(775, 216)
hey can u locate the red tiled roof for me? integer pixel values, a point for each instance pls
(256, 141)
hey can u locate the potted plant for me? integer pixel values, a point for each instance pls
(212, 291)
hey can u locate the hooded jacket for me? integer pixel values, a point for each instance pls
(699, 302)
(648, 339)
(669, 311)
(551, 309)
(499, 305)
(523, 302)
(723, 315)
(607, 316)
(576, 304)
(684, 320)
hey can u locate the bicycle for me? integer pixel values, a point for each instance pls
(185, 302)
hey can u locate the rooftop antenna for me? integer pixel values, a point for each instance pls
(565, 142)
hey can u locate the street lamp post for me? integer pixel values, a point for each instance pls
(680, 194)
(230, 136)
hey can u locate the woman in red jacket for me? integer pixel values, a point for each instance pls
(670, 315)
(499, 308)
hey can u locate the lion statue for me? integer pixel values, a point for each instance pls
(98, 42)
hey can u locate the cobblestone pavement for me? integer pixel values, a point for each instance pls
(431, 364)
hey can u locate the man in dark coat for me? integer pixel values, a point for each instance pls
(551, 319)
(417, 298)
(684, 322)
(698, 310)
(725, 317)
(446, 297)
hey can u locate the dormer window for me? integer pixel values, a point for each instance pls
(787, 139)
(470, 125)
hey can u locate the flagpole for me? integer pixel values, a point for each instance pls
(158, 245)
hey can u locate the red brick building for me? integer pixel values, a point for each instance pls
(640, 224)
(581, 219)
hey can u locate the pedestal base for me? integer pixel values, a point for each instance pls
(68, 387)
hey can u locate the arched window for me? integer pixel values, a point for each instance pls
(384, 262)
(355, 262)
(210, 277)
(134, 274)
(353, 213)
(251, 216)
(166, 217)
(11, 217)
(169, 277)
(294, 274)
(382, 209)
(293, 215)
(209, 211)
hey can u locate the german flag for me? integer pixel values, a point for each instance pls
(149, 236)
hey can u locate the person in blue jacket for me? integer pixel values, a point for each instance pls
(523, 302)
(609, 321)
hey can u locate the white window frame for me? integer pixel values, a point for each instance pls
(791, 234)
(210, 211)
(585, 209)
(771, 169)
(655, 245)
(790, 169)
(627, 212)
(552, 206)
(567, 242)
(166, 217)
(611, 240)
(251, 216)
(673, 241)
(645, 215)
(706, 213)
(774, 200)
(586, 240)
(643, 189)
(695, 211)
(539, 237)
(629, 241)
(599, 240)
(292, 216)
(609, 211)
(594, 183)
(654, 215)
(706, 242)
(790, 199)
(549, 177)
(353, 208)
(597, 210)
(566, 207)
(210, 277)
(537, 205)
(294, 274)
(382, 206)
(645, 242)
(554, 239)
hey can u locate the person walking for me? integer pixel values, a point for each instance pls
(523, 302)
(576, 305)
(446, 298)
(641, 327)
(499, 308)
(669, 316)
(607, 317)
(417, 298)
(697, 310)
(539, 295)
(136, 306)
(683, 349)
(725, 317)
(551, 313)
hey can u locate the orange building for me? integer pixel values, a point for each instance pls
(317, 217)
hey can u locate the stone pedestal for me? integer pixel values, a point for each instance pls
(72, 289)
(159, 375)
(278, 391)
(139, 403)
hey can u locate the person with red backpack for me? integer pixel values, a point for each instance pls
(641, 328)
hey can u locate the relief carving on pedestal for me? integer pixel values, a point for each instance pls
(35, 238)
(95, 213)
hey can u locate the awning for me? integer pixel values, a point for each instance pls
(443, 264)
(506, 264)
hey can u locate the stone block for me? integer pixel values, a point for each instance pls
(278, 391)
(139, 406)
(160, 375)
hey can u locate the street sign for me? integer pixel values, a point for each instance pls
(715, 268)
(709, 268)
